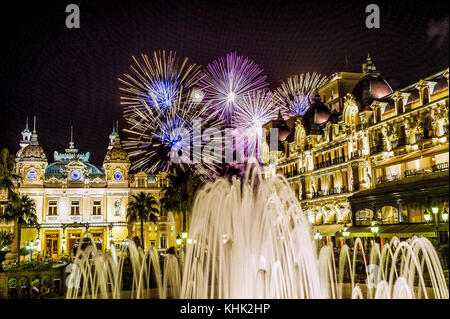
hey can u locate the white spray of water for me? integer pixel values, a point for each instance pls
(250, 239)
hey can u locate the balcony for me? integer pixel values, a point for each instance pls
(440, 167)
(355, 154)
(328, 192)
(74, 218)
(334, 161)
(377, 149)
(398, 143)
(413, 172)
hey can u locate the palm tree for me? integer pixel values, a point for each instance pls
(22, 211)
(142, 207)
(7, 171)
(179, 192)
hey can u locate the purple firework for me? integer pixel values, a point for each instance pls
(226, 81)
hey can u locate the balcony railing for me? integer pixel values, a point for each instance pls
(295, 172)
(334, 161)
(328, 192)
(377, 149)
(398, 143)
(440, 167)
(355, 154)
(413, 172)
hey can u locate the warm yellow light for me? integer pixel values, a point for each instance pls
(415, 147)
(184, 234)
(318, 235)
(444, 215)
(427, 217)
(435, 210)
(178, 241)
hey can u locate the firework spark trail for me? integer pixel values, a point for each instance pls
(226, 80)
(298, 90)
(157, 81)
(256, 109)
(157, 137)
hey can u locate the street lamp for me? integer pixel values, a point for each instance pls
(435, 219)
(345, 231)
(178, 240)
(374, 228)
(31, 247)
(317, 235)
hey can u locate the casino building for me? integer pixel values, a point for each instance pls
(364, 152)
(73, 196)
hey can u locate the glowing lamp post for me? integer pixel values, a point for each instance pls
(345, 231)
(317, 235)
(31, 247)
(374, 228)
(435, 219)
(178, 240)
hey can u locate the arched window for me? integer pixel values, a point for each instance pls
(363, 217)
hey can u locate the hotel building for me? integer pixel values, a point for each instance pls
(363, 152)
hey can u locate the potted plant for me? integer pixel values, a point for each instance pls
(6, 239)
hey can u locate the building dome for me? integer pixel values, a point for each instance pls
(117, 153)
(318, 113)
(33, 152)
(283, 129)
(371, 86)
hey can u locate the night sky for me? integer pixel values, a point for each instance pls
(69, 76)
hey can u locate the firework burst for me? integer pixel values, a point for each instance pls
(296, 92)
(226, 81)
(161, 141)
(157, 81)
(256, 109)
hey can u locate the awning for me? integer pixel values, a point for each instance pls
(327, 230)
(409, 230)
(400, 230)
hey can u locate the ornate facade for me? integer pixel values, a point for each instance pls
(358, 144)
(73, 196)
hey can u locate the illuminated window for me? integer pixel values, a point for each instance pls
(52, 208)
(97, 207)
(75, 207)
(141, 182)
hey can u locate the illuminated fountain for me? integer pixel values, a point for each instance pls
(250, 239)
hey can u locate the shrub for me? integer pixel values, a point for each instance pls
(6, 239)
